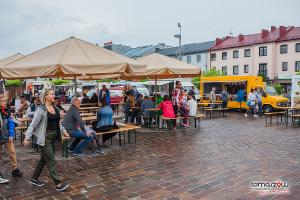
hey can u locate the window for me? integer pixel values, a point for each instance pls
(188, 59)
(262, 51)
(224, 56)
(235, 54)
(246, 68)
(284, 66)
(283, 49)
(198, 58)
(297, 47)
(235, 70)
(213, 57)
(224, 70)
(297, 66)
(262, 70)
(247, 52)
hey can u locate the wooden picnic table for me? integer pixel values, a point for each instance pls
(217, 103)
(93, 118)
(88, 104)
(155, 110)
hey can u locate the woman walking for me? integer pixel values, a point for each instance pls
(45, 126)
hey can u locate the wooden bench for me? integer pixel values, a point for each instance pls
(211, 110)
(170, 119)
(277, 114)
(294, 117)
(22, 129)
(122, 130)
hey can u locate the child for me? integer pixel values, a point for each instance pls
(7, 136)
(183, 107)
(167, 110)
(192, 106)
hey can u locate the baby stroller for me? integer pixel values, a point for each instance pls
(253, 110)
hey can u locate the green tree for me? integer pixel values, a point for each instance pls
(196, 82)
(16, 83)
(264, 77)
(213, 72)
(278, 88)
(59, 81)
(108, 80)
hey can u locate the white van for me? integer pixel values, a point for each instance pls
(188, 87)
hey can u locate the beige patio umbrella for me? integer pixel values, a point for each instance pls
(10, 59)
(70, 58)
(159, 66)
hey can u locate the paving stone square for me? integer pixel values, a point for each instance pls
(216, 161)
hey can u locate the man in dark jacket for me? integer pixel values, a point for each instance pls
(75, 127)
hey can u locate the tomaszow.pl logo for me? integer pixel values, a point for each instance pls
(270, 187)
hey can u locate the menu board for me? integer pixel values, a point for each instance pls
(295, 95)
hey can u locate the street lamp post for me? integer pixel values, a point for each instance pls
(179, 38)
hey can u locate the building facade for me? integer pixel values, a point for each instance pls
(195, 53)
(274, 53)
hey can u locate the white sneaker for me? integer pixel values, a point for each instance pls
(3, 180)
(246, 115)
(255, 116)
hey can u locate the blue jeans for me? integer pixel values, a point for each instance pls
(259, 103)
(79, 135)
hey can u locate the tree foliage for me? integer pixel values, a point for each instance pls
(278, 88)
(16, 83)
(60, 81)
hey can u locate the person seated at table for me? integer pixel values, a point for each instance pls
(94, 98)
(32, 108)
(147, 114)
(57, 103)
(72, 120)
(138, 112)
(128, 111)
(21, 106)
(183, 110)
(85, 99)
(192, 105)
(104, 121)
(167, 110)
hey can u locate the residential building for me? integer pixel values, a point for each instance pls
(274, 53)
(195, 53)
(141, 51)
(118, 48)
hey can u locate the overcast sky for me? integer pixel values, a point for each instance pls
(28, 25)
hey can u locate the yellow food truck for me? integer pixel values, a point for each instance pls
(233, 84)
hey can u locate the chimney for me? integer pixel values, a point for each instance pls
(282, 30)
(218, 41)
(264, 33)
(273, 28)
(241, 37)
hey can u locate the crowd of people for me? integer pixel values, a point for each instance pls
(50, 121)
(180, 102)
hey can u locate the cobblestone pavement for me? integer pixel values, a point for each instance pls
(217, 161)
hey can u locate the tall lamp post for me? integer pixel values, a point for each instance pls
(179, 38)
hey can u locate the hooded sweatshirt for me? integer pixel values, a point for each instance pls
(167, 109)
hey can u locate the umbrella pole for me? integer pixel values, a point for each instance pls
(75, 87)
(155, 91)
